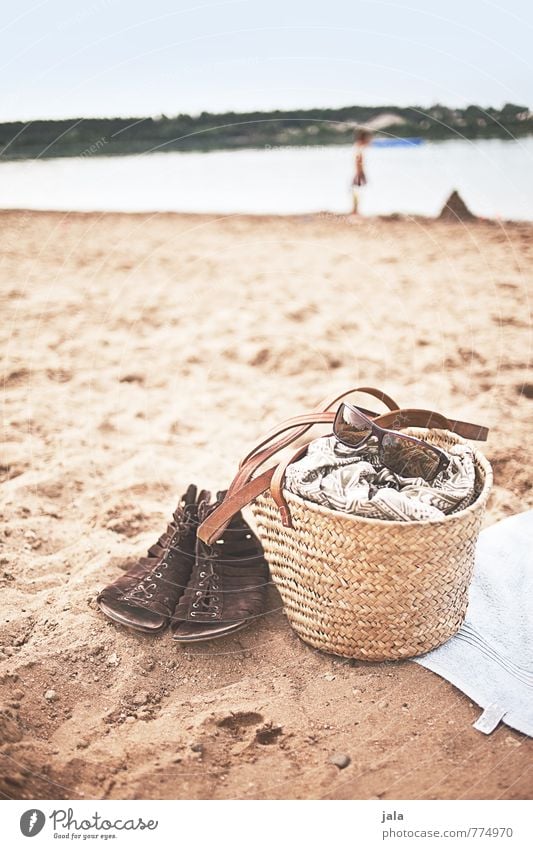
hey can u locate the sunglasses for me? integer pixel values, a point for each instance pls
(402, 454)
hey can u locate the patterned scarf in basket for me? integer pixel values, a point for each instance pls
(354, 481)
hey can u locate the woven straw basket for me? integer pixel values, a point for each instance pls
(374, 589)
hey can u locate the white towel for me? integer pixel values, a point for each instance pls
(491, 657)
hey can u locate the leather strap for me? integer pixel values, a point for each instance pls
(322, 408)
(256, 457)
(244, 487)
(238, 490)
(395, 420)
(276, 485)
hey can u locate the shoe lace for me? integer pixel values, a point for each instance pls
(176, 530)
(206, 599)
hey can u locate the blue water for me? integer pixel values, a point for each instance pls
(409, 142)
(495, 178)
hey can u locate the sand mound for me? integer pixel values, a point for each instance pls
(455, 209)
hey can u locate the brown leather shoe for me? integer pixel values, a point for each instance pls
(145, 597)
(227, 586)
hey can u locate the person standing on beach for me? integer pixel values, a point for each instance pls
(362, 140)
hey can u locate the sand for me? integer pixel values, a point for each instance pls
(143, 352)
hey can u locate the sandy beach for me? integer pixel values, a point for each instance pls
(143, 352)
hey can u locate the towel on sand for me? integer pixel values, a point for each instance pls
(491, 657)
(355, 481)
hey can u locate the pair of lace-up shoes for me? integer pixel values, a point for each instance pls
(202, 591)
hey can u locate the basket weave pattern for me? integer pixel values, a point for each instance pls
(368, 588)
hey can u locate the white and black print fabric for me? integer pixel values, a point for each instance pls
(355, 481)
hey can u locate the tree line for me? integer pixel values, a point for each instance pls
(85, 137)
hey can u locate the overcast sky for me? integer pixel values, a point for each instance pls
(68, 58)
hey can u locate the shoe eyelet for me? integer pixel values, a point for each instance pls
(192, 613)
(158, 574)
(195, 604)
(150, 595)
(203, 574)
(198, 592)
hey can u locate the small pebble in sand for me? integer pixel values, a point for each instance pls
(130, 719)
(340, 761)
(18, 694)
(140, 698)
(51, 696)
(197, 747)
(329, 677)
(113, 659)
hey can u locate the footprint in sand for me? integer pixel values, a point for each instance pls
(125, 520)
(11, 470)
(268, 735)
(525, 390)
(237, 724)
(18, 377)
(59, 375)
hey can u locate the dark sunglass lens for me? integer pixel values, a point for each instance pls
(350, 427)
(409, 459)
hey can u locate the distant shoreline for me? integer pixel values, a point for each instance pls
(257, 217)
(267, 148)
(88, 137)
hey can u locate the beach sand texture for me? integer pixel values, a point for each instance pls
(143, 352)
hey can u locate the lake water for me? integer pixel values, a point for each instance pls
(495, 178)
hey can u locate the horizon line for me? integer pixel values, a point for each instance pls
(164, 116)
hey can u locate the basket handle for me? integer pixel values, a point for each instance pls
(245, 488)
(323, 407)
